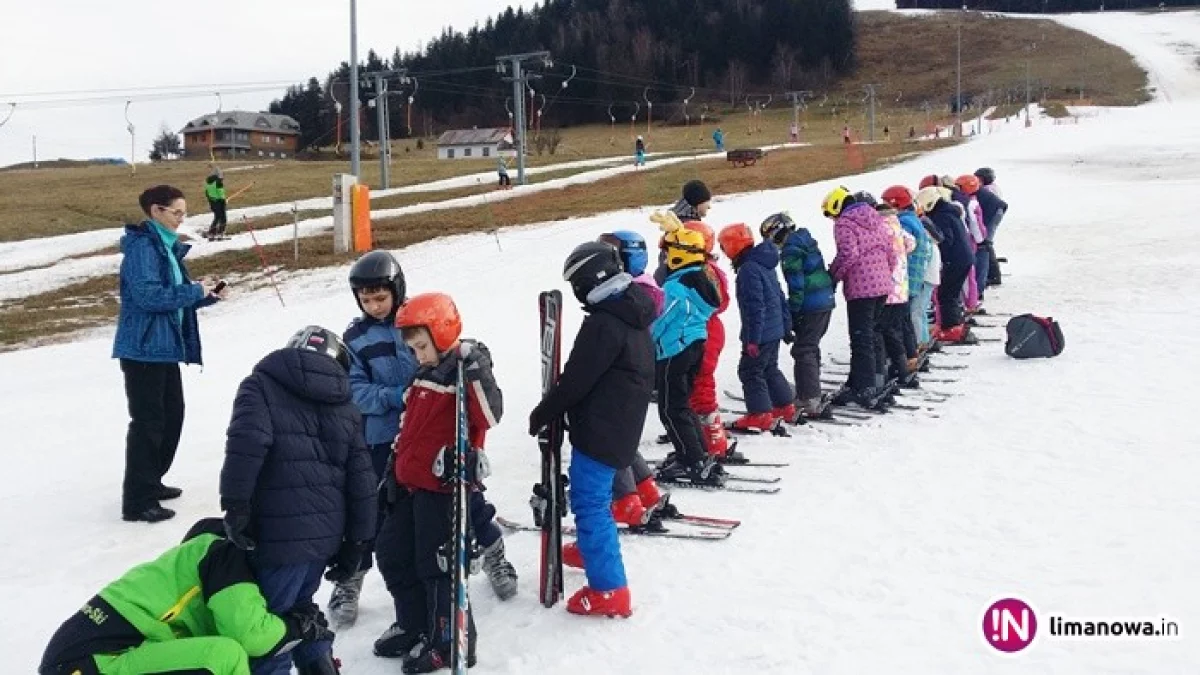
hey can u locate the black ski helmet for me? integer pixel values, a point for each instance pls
(378, 269)
(864, 197)
(590, 265)
(985, 175)
(322, 341)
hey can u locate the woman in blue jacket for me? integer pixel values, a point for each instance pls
(156, 331)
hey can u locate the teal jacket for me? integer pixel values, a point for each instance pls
(689, 298)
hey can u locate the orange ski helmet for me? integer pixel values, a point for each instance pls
(968, 183)
(705, 231)
(435, 312)
(735, 239)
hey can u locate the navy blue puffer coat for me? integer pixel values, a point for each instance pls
(295, 453)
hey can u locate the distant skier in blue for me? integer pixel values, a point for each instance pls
(719, 139)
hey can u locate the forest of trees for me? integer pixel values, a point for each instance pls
(1041, 6)
(727, 50)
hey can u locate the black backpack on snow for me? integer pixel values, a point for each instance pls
(1031, 337)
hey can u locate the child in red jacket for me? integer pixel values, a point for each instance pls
(413, 544)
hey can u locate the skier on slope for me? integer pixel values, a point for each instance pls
(810, 301)
(197, 608)
(214, 191)
(900, 199)
(680, 333)
(639, 152)
(636, 497)
(604, 390)
(381, 369)
(766, 322)
(864, 261)
(937, 204)
(418, 493)
(896, 348)
(994, 209)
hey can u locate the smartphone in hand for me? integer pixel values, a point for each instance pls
(219, 287)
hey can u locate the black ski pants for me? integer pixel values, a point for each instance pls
(862, 316)
(219, 219)
(950, 294)
(419, 527)
(154, 392)
(806, 352)
(910, 331)
(891, 358)
(674, 378)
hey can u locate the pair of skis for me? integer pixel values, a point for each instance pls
(701, 528)
(549, 496)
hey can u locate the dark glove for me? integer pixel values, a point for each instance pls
(789, 337)
(306, 623)
(237, 525)
(346, 562)
(535, 421)
(752, 350)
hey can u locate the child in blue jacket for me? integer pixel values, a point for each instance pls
(680, 332)
(765, 322)
(811, 302)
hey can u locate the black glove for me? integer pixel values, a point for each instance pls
(535, 422)
(789, 337)
(237, 525)
(307, 623)
(346, 562)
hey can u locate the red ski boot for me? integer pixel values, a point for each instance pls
(652, 497)
(596, 603)
(571, 556)
(756, 422)
(628, 510)
(785, 413)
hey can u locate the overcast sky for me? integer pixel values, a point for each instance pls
(73, 45)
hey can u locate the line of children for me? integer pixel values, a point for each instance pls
(604, 391)
(766, 322)
(413, 547)
(296, 485)
(897, 343)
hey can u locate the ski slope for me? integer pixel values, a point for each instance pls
(1068, 483)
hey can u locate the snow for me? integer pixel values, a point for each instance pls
(1068, 483)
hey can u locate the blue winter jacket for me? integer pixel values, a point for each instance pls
(764, 309)
(689, 298)
(381, 369)
(810, 288)
(157, 321)
(922, 253)
(294, 452)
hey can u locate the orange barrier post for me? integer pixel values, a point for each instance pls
(360, 206)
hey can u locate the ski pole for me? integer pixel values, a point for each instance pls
(263, 259)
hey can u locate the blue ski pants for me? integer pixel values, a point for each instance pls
(591, 496)
(764, 384)
(285, 587)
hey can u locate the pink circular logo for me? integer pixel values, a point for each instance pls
(1009, 625)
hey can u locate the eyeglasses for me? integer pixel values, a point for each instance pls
(178, 213)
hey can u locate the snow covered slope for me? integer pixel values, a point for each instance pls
(1068, 483)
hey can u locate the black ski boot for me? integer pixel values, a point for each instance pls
(432, 659)
(326, 665)
(395, 643)
(704, 472)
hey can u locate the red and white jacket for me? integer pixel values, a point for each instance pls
(429, 422)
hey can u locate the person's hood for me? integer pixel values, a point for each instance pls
(307, 374)
(634, 306)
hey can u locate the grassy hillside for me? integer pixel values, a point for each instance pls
(910, 58)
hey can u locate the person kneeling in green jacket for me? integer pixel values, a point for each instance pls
(196, 608)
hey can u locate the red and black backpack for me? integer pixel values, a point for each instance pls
(1032, 337)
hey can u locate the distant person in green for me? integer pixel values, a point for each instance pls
(214, 189)
(195, 609)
